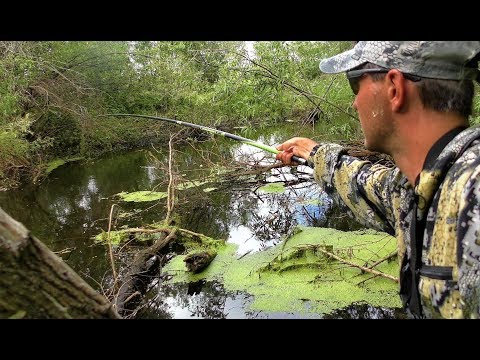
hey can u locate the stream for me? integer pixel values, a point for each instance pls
(72, 205)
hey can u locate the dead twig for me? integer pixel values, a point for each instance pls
(171, 197)
(363, 268)
(386, 258)
(309, 96)
(146, 231)
(365, 280)
(112, 261)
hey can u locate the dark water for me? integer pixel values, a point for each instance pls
(73, 204)
(209, 300)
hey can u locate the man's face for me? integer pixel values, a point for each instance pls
(372, 107)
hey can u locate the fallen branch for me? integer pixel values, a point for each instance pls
(153, 231)
(146, 231)
(36, 283)
(386, 258)
(171, 184)
(110, 251)
(144, 267)
(363, 268)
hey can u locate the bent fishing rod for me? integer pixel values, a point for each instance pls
(267, 148)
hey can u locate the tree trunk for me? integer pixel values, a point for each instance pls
(36, 283)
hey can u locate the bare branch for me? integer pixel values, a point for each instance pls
(269, 73)
(112, 261)
(363, 268)
(170, 191)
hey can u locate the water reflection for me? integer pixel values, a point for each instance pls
(192, 301)
(366, 311)
(209, 300)
(244, 238)
(73, 204)
(205, 300)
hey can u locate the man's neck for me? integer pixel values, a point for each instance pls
(417, 136)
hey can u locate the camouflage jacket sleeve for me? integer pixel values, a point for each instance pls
(468, 231)
(369, 191)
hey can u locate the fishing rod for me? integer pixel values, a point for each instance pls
(267, 148)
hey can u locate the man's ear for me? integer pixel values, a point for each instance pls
(396, 90)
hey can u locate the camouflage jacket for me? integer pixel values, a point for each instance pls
(447, 198)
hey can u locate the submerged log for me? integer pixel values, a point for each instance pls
(144, 268)
(36, 283)
(198, 261)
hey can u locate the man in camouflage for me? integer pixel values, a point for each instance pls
(414, 99)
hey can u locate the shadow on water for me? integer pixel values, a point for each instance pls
(73, 204)
(206, 300)
(209, 300)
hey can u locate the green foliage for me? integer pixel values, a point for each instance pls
(17, 70)
(54, 164)
(141, 196)
(12, 148)
(64, 85)
(13, 157)
(114, 238)
(62, 130)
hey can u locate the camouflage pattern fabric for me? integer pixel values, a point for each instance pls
(381, 198)
(430, 59)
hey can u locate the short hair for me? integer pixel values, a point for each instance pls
(441, 95)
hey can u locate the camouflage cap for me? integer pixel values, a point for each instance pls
(429, 59)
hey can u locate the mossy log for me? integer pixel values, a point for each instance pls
(198, 261)
(145, 266)
(36, 283)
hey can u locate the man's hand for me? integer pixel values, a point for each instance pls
(298, 146)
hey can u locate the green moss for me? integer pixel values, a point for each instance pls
(295, 277)
(310, 202)
(140, 196)
(215, 271)
(273, 188)
(145, 195)
(190, 184)
(199, 242)
(52, 165)
(116, 237)
(191, 241)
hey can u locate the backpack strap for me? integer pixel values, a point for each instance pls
(411, 268)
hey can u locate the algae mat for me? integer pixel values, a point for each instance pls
(295, 276)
